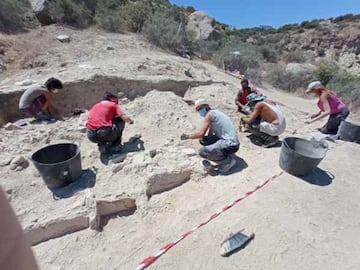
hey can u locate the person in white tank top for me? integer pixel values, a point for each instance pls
(272, 120)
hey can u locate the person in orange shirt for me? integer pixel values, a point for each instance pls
(106, 123)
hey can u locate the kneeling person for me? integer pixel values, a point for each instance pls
(221, 140)
(106, 123)
(272, 120)
(40, 99)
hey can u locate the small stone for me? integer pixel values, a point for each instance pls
(19, 163)
(110, 48)
(11, 126)
(189, 152)
(82, 129)
(63, 38)
(152, 153)
(5, 162)
(118, 167)
(9, 191)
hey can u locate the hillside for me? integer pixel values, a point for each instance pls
(287, 58)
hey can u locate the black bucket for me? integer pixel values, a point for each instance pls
(299, 156)
(58, 164)
(349, 132)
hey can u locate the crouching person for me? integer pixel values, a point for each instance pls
(106, 123)
(221, 140)
(38, 100)
(272, 120)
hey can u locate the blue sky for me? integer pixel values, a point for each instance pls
(252, 13)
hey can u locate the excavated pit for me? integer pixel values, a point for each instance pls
(85, 93)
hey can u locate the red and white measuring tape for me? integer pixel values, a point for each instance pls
(149, 260)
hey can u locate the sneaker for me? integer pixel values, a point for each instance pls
(227, 164)
(207, 165)
(271, 141)
(116, 148)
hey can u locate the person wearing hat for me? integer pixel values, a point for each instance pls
(329, 105)
(272, 120)
(106, 123)
(217, 135)
(40, 98)
(241, 97)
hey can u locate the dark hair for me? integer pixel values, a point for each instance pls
(245, 81)
(53, 83)
(109, 96)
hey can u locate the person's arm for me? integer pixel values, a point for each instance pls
(51, 103)
(324, 100)
(254, 114)
(201, 133)
(237, 100)
(123, 116)
(206, 125)
(126, 119)
(15, 251)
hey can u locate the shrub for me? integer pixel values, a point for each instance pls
(295, 57)
(166, 30)
(72, 12)
(321, 52)
(326, 73)
(253, 75)
(269, 54)
(288, 81)
(248, 56)
(310, 24)
(109, 15)
(340, 81)
(288, 27)
(136, 14)
(11, 15)
(206, 48)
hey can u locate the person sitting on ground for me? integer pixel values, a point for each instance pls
(106, 123)
(221, 140)
(40, 99)
(241, 97)
(272, 121)
(329, 104)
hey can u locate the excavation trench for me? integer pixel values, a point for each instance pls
(85, 93)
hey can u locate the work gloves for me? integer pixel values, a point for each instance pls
(184, 137)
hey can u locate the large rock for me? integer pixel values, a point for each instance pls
(41, 9)
(203, 26)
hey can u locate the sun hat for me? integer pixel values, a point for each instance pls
(253, 98)
(312, 86)
(200, 102)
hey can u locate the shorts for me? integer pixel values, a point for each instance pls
(35, 107)
(271, 129)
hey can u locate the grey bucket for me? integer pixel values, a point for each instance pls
(58, 164)
(349, 132)
(299, 156)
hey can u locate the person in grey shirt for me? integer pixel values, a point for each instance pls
(221, 140)
(40, 98)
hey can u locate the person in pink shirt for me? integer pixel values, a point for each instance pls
(106, 123)
(329, 105)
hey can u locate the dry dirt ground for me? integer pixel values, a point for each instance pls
(298, 223)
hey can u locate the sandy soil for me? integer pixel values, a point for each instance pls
(298, 223)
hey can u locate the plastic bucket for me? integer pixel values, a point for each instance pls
(299, 156)
(349, 132)
(58, 164)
